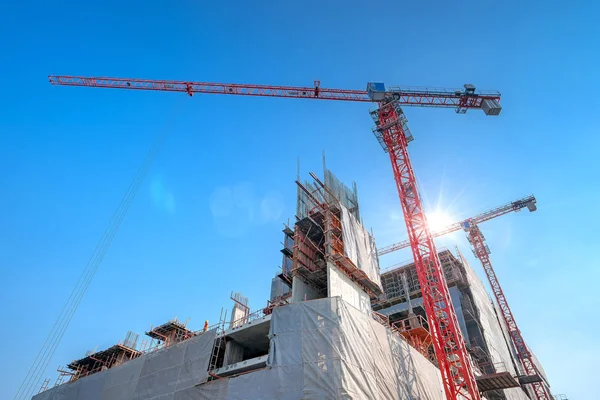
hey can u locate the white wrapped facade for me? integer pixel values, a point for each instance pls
(319, 349)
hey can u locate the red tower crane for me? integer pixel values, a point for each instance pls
(482, 252)
(514, 206)
(393, 134)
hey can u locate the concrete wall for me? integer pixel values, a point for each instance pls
(234, 353)
(301, 291)
(278, 288)
(239, 315)
(339, 285)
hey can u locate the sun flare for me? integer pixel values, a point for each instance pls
(438, 220)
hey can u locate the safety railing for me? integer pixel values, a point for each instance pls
(492, 367)
(246, 319)
(382, 319)
(412, 322)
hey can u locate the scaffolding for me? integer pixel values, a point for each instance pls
(319, 235)
(287, 262)
(102, 360)
(169, 333)
(62, 375)
(95, 361)
(498, 377)
(277, 301)
(391, 279)
(415, 330)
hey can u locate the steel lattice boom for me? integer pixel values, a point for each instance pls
(391, 131)
(450, 349)
(452, 98)
(481, 251)
(514, 206)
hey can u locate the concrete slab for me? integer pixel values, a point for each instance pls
(242, 366)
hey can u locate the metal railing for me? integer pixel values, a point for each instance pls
(412, 322)
(494, 367)
(382, 319)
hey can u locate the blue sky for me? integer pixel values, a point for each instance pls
(208, 218)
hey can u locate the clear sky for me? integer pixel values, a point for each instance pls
(208, 218)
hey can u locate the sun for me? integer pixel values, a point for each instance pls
(438, 220)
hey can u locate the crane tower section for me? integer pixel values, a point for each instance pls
(449, 346)
(482, 252)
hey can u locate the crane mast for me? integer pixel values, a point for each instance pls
(482, 252)
(448, 342)
(392, 133)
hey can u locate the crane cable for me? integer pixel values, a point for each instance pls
(37, 369)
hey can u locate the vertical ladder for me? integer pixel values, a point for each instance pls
(217, 344)
(44, 386)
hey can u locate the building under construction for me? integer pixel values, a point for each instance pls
(334, 327)
(499, 372)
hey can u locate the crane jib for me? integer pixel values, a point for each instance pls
(528, 202)
(460, 99)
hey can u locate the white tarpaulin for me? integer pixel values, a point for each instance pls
(158, 375)
(319, 349)
(327, 349)
(492, 331)
(359, 246)
(339, 284)
(377, 364)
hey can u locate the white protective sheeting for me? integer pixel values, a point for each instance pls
(159, 375)
(377, 364)
(513, 353)
(516, 361)
(345, 354)
(538, 365)
(493, 332)
(319, 349)
(359, 246)
(327, 349)
(340, 285)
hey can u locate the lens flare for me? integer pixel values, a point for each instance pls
(438, 220)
